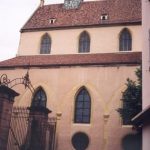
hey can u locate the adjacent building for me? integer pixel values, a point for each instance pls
(142, 119)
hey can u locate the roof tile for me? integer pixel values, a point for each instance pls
(73, 60)
(88, 14)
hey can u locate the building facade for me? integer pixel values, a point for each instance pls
(146, 50)
(79, 54)
(142, 119)
(146, 69)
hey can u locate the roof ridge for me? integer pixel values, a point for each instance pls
(83, 2)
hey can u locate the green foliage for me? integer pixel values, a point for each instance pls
(132, 98)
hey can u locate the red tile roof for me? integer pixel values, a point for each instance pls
(130, 58)
(88, 14)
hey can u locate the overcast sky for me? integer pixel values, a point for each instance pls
(13, 15)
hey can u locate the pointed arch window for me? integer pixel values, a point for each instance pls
(45, 44)
(84, 42)
(125, 40)
(39, 98)
(82, 107)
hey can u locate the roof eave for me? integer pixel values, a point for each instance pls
(104, 24)
(25, 66)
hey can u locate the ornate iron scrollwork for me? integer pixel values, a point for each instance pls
(27, 82)
(4, 80)
(11, 83)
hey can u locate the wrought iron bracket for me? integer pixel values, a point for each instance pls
(11, 83)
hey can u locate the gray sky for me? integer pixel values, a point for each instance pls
(13, 15)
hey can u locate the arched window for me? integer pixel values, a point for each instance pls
(39, 98)
(82, 107)
(125, 40)
(45, 44)
(84, 42)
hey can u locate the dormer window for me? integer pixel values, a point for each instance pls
(104, 16)
(52, 20)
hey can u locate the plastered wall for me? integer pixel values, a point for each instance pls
(146, 52)
(103, 40)
(104, 85)
(146, 67)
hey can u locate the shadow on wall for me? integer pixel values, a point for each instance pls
(132, 142)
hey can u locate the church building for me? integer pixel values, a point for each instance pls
(79, 55)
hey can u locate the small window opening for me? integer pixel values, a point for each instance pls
(52, 20)
(104, 17)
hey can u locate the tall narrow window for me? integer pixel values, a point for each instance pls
(84, 42)
(45, 44)
(82, 107)
(39, 98)
(125, 40)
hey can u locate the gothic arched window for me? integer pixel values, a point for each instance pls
(39, 98)
(84, 42)
(125, 40)
(82, 107)
(45, 44)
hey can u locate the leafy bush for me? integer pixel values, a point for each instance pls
(132, 98)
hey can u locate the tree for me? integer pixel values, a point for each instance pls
(131, 98)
